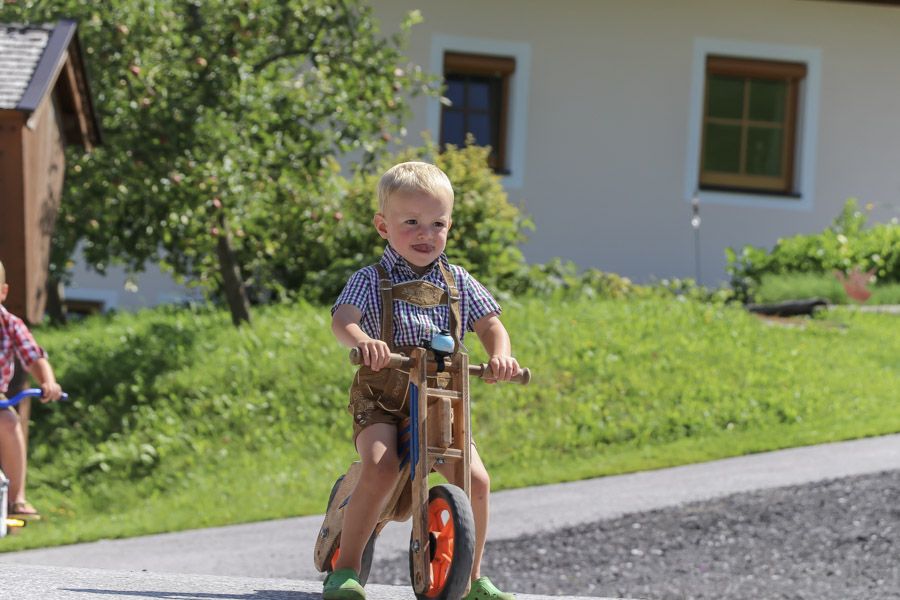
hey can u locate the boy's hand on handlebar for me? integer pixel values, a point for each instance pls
(51, 392)
(375, 354)
(503, 368)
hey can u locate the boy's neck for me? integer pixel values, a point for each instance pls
(421, 270)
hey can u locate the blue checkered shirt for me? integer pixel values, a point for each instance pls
(414, 325)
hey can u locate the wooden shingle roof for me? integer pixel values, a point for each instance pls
(21, 49)
(38, 60)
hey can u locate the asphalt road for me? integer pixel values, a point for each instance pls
(25, 582)
(283, 549)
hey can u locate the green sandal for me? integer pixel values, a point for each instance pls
(483, 589)
(343, 584)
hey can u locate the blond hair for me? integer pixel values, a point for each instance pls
(413, 177)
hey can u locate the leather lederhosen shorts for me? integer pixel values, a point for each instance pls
(382, 396)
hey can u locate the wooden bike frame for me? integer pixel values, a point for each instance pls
(441, 418)
(439, 434)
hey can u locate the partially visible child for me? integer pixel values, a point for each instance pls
(416, 206)
(17, 341)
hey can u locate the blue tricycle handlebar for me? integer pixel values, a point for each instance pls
(29, 393)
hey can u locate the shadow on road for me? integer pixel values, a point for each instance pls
(257, 595)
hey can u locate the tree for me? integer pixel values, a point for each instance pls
(222, 121)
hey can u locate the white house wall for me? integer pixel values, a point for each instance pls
(603, 138)
(607, 146)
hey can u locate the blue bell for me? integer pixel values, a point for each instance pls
(442, 342)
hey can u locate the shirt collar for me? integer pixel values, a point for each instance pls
(391, 260)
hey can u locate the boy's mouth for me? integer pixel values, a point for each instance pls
(424, 248)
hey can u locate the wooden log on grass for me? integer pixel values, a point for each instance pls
(789, 308)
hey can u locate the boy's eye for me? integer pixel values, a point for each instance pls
(439, 224)
(410, 221)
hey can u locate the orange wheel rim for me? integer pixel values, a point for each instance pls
(334, 557)
(440, 528)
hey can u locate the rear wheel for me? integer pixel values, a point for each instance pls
(451, 533)
(368, 552)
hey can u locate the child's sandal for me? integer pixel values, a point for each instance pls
(343, 584)
(483, 589)
(24, 511)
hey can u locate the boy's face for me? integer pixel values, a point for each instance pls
(4, 290)
(416, 226)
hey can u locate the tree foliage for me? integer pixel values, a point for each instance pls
(224, 108)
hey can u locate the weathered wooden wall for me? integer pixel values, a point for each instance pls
(32, 168)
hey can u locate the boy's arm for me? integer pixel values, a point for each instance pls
(345, 326)
(495, 339)
(43, 372)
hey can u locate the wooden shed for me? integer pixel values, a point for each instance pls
(45, 104)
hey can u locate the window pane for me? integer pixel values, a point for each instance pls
(722, 148)
(456, 92)
(479, 95)
(764, 151)
(726, 97)
(480, 127)
(767, 100)
(452, 128)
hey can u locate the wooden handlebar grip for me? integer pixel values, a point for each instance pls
(484, 371)
(397, 361)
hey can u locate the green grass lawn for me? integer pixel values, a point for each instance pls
(178, 420)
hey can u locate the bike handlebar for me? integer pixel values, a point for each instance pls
(29, 393)
(483, 370)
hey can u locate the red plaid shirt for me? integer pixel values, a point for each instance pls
(15, 340)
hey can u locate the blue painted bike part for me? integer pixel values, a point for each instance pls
(29, 393)
(403, 445)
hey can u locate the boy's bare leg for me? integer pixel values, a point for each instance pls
(377, 447)
(24, 411)
(12, 454)
(481, 492)
(18, 383)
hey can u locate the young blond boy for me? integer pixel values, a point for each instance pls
(415, 214)
(17, 341)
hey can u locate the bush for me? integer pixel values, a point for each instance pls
(847, 244)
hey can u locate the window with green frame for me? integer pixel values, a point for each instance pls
(749, 124)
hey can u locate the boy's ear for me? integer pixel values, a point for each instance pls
(380, 225)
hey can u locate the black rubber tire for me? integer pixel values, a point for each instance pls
(334, 489)
(463, 543)
(368, 552)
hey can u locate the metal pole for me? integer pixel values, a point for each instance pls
(695, 224)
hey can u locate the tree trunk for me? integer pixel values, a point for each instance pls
(56, 308)
(231, 277)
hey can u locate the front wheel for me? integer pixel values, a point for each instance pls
(451, 532)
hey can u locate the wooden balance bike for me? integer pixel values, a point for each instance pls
(437, 432)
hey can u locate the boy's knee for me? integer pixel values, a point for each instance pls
(9, 421)
(388, 466)
(480, 482)
(383, 471)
